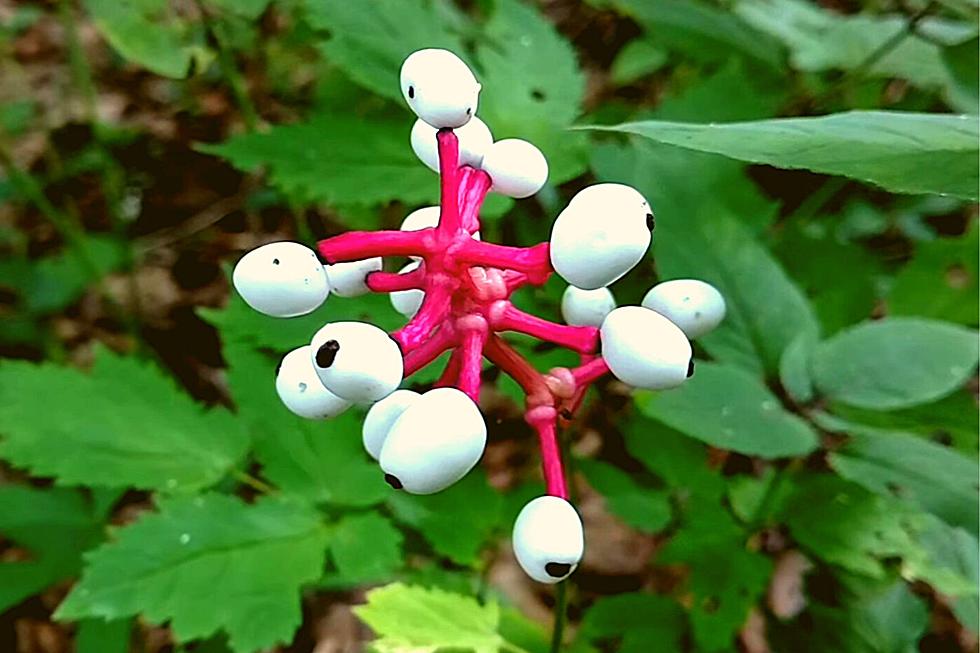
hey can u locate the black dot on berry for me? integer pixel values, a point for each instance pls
(393, 481)
(690, 368)
(411, 92)
(327, 352)
(557, 569)
(275, 261)
(469, 111)
(651, 221)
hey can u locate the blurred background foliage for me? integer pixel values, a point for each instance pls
(813, 488)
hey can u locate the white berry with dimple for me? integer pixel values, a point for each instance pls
(474, 140)
(440, 88)
(518, 169)
(601, 235)
(301, 390)
(434, 443)
(382, 416)
(357, 361)
(281, 279)
(348, 279)
(586, 307)
(693, 305)
(548, 539)
(407, 302)
(644, 349)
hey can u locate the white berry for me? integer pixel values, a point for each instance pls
(601, 235)
(695, 306)
(644, 349)
(300, 389)
(586, 307)
(382, 416)
(357, 361)
(439, 88)
(474, 140)
(407, 302)
(434, 443)
(281, 279)
(348, 279)
(518, 168)
(548, 539)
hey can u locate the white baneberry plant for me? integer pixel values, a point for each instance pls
(457, 294)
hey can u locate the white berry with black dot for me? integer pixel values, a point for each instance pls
(644, 349)
(282, 279)
(407, 302)
(435, 442)
(601, 235)
(439, 88)
(348, 279)
(518, 169)
(382, 416)
(474, 140)
(586, 307)
(548, 539)
(693, 305)
(301, 391)
(357, 361)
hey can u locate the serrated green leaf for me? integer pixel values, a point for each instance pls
(336, 158)
(366, 547)
(730, 409)
(420, 620)
(145, 32)
(124, 424)
(99, 636)
(645, 509)
(894, 363)
(636, 619)
(903, 152)
(458, 521)
(207, 563)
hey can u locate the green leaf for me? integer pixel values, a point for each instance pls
(894, 363)
(366, 547)
(207, 563)
(125, 424)
(336, 158)
(248, 9)
(638, 58)
(935, 478)
(941, 280)
(637, 619)
(145, 32)
(407, 618)
(99, 636)
(902, 152)
(645, 509)
(956, 554)
(730, 409)
(964, 71)
(55, 526)
(457, 522)
(794, 368)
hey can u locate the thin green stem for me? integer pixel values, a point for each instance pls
(561, 606)
(226, 59)
(80, 68)
(256, 484)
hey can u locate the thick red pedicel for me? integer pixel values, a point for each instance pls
(467, 285)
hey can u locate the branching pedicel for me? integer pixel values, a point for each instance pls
(458, 291)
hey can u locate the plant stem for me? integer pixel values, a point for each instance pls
(226, 59)
(80, 69)
(256, 484)
(561, 604)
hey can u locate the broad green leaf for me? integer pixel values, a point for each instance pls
(205, 564)
(751, 498)
(124, 424)
(458, 521)
(941, 280)
(645, 509)
(532, 86)
(961, 64)
(955, 551)
(100, 636)
(55, 526)
(336, 158)
(146, 32)
(636, 619)
(794, 368)
(935, 478)
(366, 547)
(894, 363)
(730, 409)
(638, 58)
(420, 620)
(903, 152)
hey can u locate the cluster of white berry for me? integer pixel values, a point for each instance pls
(455, 289)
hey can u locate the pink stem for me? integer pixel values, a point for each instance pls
(473, 190)
(532, 261)
(449, 221)
(393, 281)
(433, 311)
(544, 421)
(516, 366)
(358, 245)
(590, 371)
(471, 360)
(581, 339)
(429, 350)
(514, 280)
(450, 375)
